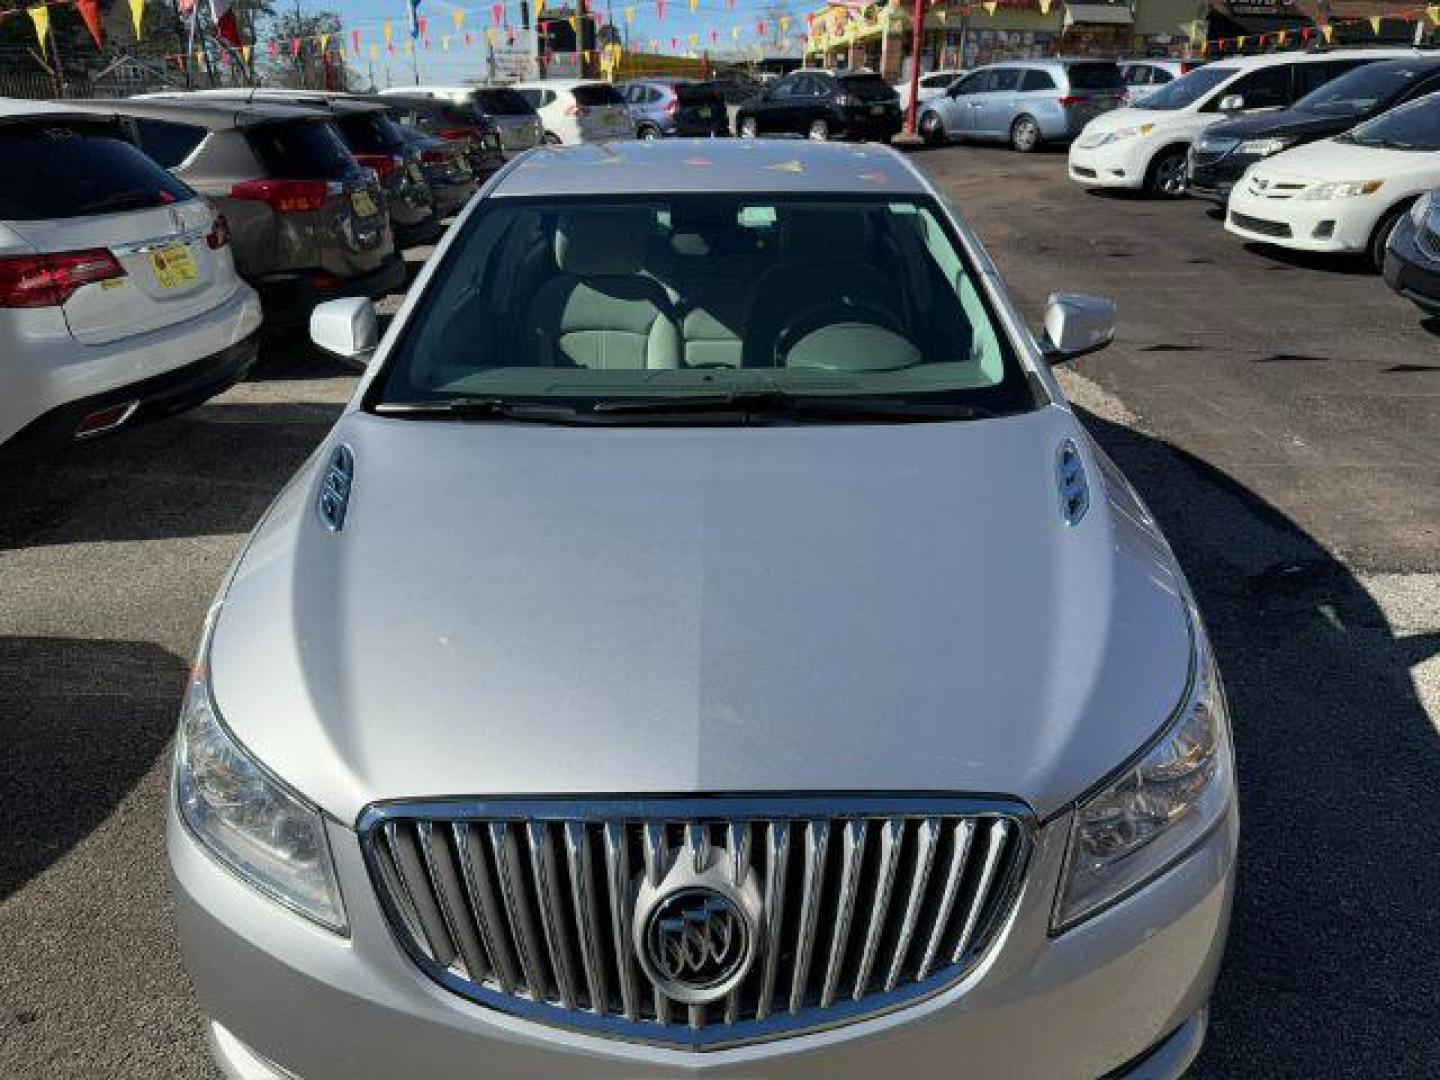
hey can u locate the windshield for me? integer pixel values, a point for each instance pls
(867, 87)
(704, 296)
(1187, 90)
(1357, 92)
(1415, 126)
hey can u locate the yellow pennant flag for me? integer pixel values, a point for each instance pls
(694, 5)
(1282, 37)
(1434, 12)
(492, 36)
(735, 32)
(374, 51)
(459, 16)
(1044, 7)
(784, 24)
(40, 16)
(940, 15)
(586, 56)
(1375, 24)
(324, 44)
(137, 15)
(539, 8)
(1327, 30)
(199, 57)
(445, 42)
(990, 6)
(694, 40)
(574, 22)
(409, 46)
(389, 31)
(245, 51)
(630, 14)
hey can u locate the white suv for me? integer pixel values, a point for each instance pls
(1145, 146)
(118, 296)
(579, 110)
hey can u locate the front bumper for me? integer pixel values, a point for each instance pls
(1338, 226)
(1409, 271)
(1113, 165)
(1122, 995)
(872, 127)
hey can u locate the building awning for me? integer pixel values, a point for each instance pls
(1098, 14)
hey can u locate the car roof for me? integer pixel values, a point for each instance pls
(213, 113)
(306, 99)
(555, 84)
(680, 166)
(20, 108)
(1273, 59)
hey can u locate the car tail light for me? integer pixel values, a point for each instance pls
(36, 281)
(383, 164)
(219, 236)
(1071, 99)
(285, 196)
(672, 106)
(461, 134)
(438, 157)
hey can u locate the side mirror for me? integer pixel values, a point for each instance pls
(1076, 325)
(346, 328)
(1232, 103)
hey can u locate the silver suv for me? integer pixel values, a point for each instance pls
(1024, 102)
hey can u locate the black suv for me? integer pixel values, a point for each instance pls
(824, 105)
(1225, 150)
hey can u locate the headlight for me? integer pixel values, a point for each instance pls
(1421, 208)
(1342, 190)
(1263, 147)
(1157, 809)
(1121, 134)
(247, 819)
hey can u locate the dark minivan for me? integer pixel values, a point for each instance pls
(824, 105)
(1220, 156)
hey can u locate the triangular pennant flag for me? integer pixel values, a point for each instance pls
(199, 57)
(735, 33)
(1434, 12)
(137, 15)
(694, 41)
(355, 42)
(324, 44)
(374, 51)
(40, 16)
(1328, 31)
(492, 35)
(539, 8)
(1281, 37)
(497, 14)
(784, 24)
(1240, 42)
(409, 47)
(245, 51)
(1044, 7)
(990, 6)
(630, 14)
(1375, 24)
(694, 5)
(574, 22)
(660, 9)
(90, 13)
(295, 46)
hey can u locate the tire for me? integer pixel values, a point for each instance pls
(818, 131)
(551, 139)
(749, 128)
(648, 132)
(1380, 238)
(932, 129)
(1025, 134)
(1165, 179)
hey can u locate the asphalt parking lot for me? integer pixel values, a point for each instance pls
(1281, 416)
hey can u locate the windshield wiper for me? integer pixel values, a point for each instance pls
(478, 408)
(778, 403)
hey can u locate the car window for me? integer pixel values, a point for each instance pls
(168, 143)
(593, 95)
(1186, 91)
(931, 81)
(1310, 77)
(301, 150)
(370, 132)
(1414, 126)
(866, 87)
(63, 170)
(1094, 75)
(970, 84)
(533, 97)
(504, 101)
(1002, 79)
(1359, 90)
(1137, 75)
(1160, 76)
(786, 87)
(1268, 88)
(1035, 79)
(511, 313)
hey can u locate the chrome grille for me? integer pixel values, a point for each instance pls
(1427, 237)
(863, 904)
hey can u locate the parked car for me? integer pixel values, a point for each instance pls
(119, 300)
(932, 84)
(307, 221)
(823, 105)
(1343, 195)
(447, 170)
(506, 110)
(373, 137)
(1145, 147)
(736, 90)
(1412, 255)
(578, 110)
(463, 124)
(1222, 153)
(662, 786)
(683, 107)
(1144, 77)
(1025, 103)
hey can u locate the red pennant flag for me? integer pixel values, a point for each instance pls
(424, 25)
(1306, 33)
(660, 9)
(295, 46)
(509, 35)
(468, 41)
(355, 42)
(674, 44)
(274, 49)
(497, 13)
(90, 12)
(730, 6)
(760, 27)
(226, 26)
(713, 35)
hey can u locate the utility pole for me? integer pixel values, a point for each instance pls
(917, 37)
(57, 71)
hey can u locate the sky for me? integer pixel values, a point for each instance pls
(438, 65)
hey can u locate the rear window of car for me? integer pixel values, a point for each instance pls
(1095, 77)
(697, 93)
(370, 132)
(1035, 79)
(594, 94)
(301, 150)
(503, 102)
(168, 143)
(866, 87)
(68, 170)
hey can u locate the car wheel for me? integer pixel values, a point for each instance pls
(932, 129)
(1165, 178)
(749, 128)
(1025, 134)
(648, 132)
(1380, 238)
(818, 131)
(551, 139)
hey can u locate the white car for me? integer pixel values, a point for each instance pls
(1145, 77)
(579, 110)
(1346, 194)
(1144, 147)
(119, 299)
(932, 83)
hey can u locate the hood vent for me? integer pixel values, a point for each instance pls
(335, 489)
(1074, 487)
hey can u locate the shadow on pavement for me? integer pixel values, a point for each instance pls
(83, 722)
(1333, 966)
(1347, 265)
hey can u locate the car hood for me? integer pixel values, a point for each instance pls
(1288, 122)
(1331, 159)
(521, 609)
(1132, 117)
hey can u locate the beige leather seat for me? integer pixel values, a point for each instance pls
(600, 311)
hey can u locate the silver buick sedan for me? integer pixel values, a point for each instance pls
(708, 644)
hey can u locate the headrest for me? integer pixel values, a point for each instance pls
(603, 243)
(824, 236)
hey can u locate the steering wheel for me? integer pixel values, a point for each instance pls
(829, 313)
